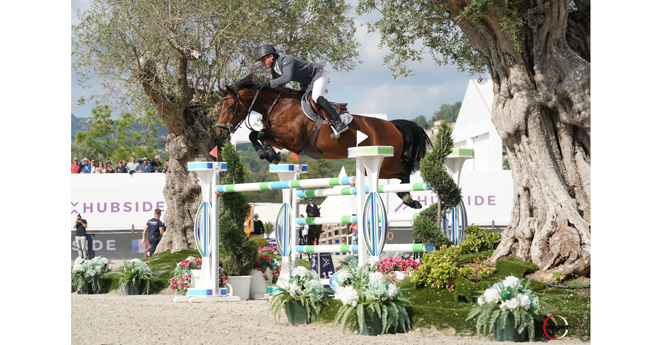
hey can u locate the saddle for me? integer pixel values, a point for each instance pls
(339, 107)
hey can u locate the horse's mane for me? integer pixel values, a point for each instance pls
(249, 83)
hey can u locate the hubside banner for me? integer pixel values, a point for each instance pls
(116, 201)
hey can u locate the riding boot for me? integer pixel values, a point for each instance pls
(339, 126)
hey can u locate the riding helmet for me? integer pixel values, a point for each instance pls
(264, 50)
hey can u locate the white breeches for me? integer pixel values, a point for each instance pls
(318, 88)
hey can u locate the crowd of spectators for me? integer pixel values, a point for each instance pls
(141, 165)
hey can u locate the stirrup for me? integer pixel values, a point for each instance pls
(335, 134)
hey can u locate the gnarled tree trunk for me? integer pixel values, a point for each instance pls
(542, 111)
(190, 139)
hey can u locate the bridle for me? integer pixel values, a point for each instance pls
(232, 95)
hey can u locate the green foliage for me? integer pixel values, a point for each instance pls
(269, 227)
(448, 113)
(403, 24)
(479, 240)
(362, 293)
(426, 227)
(260, 241)
(115, 139)
(438, 268)
(304, 286)
(136, 272)
(218, 38)
(242, 251)
(421, 121)
(465, 288)
(515, 267)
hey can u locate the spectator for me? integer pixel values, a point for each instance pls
(303, 230)
(93, 164)
(167, 165)
(144, 167)
(108, 168)
(156, 164)
(100, 169)
(154, 229)
(354, 232)
(314, 230)
(75, 168)
(85, 166)
(121, 168)
(258, 227)
(132, 166)
(81, 236)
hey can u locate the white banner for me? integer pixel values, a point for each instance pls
(116, 201)
(487, 195)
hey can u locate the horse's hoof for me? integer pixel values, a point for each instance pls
(261, 153)
(414, 204)
(270, 155)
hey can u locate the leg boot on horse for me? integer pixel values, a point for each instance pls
(257, 145)
(339, 126)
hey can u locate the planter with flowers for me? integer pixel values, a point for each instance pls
(372, 304)
(266, 268)
(86, 274)
(187, 271)
(135, 278)
(396, 269)
(303, 297)
(508, 310)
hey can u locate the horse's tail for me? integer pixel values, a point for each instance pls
(415, 143)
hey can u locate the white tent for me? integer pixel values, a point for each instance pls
(339, 205)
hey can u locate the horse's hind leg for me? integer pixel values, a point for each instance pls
(406, 197)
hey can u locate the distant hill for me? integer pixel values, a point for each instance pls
(78, 124)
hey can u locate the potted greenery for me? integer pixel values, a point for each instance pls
(507, 309)
(136, 277)
(242, 251)
(373, 301)
(267, 271)
(303, 297)
(185, 272)
(86, 274)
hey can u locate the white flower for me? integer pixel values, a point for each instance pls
(299, 271)
(77, 267)
(511, 304)
(341, 277)
(480, 300)
(511, 282)
(347, 295)
(78, 261)
(294, 290)
(392, 291)
(376, 277)
(492, 295)
(399, 275)
(523, 301)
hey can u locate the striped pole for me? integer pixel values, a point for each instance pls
(345, 248)
(393, 188)
(405, 217)
(279, 185)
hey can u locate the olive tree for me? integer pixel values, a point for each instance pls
(537, 54)
(175, 55)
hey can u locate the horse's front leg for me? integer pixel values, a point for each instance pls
(257, 145)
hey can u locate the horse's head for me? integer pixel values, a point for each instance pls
(236, 105)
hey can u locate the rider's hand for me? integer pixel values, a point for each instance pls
(262, 85)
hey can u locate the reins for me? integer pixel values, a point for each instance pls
(232, 128)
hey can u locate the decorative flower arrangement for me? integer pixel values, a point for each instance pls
(136, 272)
(87, 272)
(373, 299)
(396, 268)
(305, 287)
(183, 274)
(506, 298)
(265, 263)
(270, 250)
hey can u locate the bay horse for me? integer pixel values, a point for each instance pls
(285, 126)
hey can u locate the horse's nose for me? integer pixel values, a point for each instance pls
(222, 133)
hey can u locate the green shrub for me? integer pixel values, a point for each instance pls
(260, 241)
(438, 268)
(479, 240)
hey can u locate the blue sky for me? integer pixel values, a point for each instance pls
(369, 88)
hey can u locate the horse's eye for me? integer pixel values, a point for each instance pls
(231, 107)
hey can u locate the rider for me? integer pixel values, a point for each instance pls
(311, 76)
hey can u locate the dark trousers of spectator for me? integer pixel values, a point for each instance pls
(153, 242)
(313, 235)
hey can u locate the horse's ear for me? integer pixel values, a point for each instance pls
(249, 76)
(224, 92)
